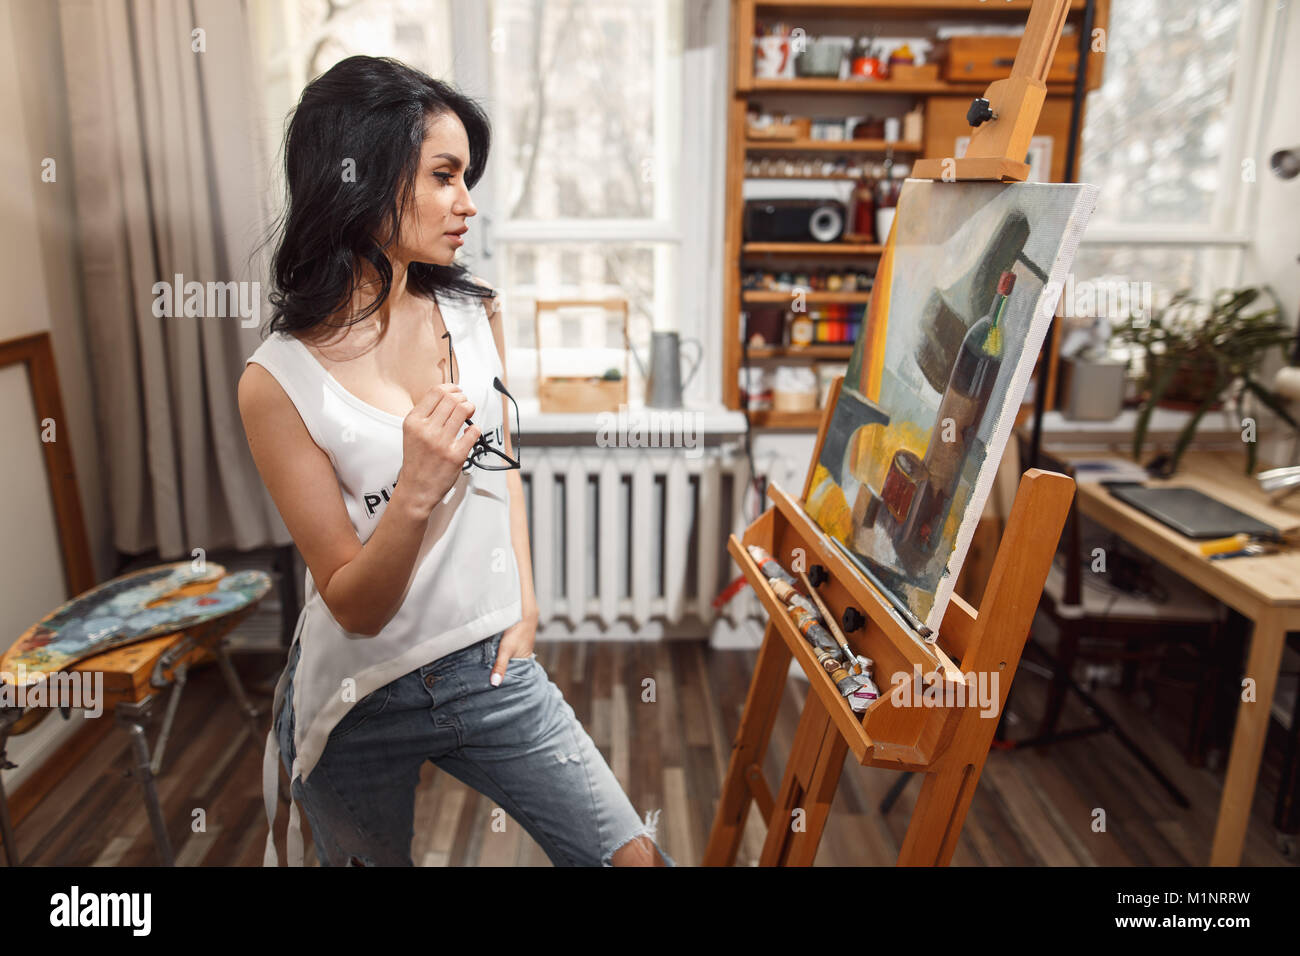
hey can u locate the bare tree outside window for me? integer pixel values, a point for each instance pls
(1154, 140)
(1156, 129)
(586, 97)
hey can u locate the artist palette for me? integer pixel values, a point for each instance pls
(134, 607)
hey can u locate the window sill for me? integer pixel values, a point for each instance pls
(1165, 426)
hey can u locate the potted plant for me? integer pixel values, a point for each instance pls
(1191, 356)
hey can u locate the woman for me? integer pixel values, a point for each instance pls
(372, 415)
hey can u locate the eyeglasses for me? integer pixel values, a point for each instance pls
(483, 454)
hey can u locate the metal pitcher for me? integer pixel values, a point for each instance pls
(664, 383)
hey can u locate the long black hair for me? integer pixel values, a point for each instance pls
(364, 116)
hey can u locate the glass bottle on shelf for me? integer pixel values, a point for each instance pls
(864, 212)
(888, 187)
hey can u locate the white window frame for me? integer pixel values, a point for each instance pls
(1247, 114)
(689, 300)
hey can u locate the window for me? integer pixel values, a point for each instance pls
(1158, 125)
(574, 104)
(585, 99)
(608, 120)
(298, 40)
(1168, 138)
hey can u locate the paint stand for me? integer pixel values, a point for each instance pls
(947, 737)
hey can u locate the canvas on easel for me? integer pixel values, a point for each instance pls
(966, 288)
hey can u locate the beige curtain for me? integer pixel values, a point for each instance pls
(169, 180)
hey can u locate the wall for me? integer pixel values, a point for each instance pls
(1273, 258)
(40, 273)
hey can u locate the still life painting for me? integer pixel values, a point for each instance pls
(965, 290)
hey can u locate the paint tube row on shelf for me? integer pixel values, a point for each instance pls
(850, 672)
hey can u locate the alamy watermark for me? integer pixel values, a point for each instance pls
(128, 910)
(977, 689)
(1113, 298)
(651, 428)
(83, 690)
(208, 300)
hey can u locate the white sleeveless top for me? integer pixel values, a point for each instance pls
(465, 585)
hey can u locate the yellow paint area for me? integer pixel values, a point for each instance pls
(877, 325)
(872, 449)
(827, 506)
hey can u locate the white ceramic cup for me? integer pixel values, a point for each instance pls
(773, 60)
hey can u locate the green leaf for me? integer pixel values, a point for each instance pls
(1272, 401)
(1159, 385)
(1189, 430)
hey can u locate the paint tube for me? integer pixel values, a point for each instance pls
(861, 698)
(831, 663)
(769, 566)
(810, 627)
(793, 598)
(865, 690)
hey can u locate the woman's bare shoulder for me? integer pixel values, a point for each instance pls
(262, 399)
(492, 305)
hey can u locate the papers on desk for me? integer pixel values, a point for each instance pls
(1108, 469)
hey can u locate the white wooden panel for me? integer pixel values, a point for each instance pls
(706, 558)
(642, 521)
(741, 493)
(544, 536)
(677, 517)
(575, 520)
(613, 524)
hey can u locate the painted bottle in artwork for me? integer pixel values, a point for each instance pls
(961, 410)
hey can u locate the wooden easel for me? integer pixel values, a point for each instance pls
(948, 744)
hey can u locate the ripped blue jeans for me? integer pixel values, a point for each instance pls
(519, 744)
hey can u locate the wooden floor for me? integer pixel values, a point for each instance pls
(1031, 808)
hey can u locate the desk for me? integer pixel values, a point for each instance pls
(1265, 589)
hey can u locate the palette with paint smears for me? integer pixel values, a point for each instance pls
(134, 607)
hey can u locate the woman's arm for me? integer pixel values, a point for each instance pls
(361, 585)
(518, 639)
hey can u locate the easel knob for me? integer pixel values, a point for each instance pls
(852, 620)
(980, 112)
(817, 575)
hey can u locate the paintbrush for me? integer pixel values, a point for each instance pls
(829, 619)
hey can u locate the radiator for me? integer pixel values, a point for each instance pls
(631, 542)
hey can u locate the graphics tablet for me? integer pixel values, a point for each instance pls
(1190, 512)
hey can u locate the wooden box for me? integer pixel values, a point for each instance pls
(911, 73)
(564, 394)
(982, 59)
(570, 393)
(799, 127)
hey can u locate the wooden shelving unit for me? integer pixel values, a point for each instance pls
(896, 87)
(945, 106)
(777, 297)
(831, 146)
(814, 248)
(770, 419)
(824, 350)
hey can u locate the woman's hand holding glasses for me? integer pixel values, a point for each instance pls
(483, 455)
(432, 454)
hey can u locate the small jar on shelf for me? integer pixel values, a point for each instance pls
(756, 388)
(794, 389)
